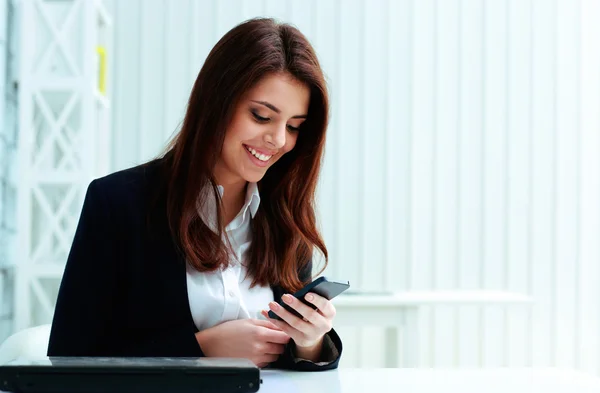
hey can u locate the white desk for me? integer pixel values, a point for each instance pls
(406, 380)
(401, 310)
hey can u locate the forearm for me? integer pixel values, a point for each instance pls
(203, 338)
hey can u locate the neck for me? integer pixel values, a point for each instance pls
(234, 196)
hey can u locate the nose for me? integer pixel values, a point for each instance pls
(277, 135)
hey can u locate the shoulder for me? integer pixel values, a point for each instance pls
(131, 179)
(129, 188)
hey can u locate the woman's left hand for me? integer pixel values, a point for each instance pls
(307, 332)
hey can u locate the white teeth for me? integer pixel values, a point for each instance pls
(256, 154)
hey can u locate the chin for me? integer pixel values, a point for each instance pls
(254, 178)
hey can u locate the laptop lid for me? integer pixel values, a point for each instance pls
(130, 375)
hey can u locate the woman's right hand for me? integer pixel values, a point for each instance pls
(260, 341)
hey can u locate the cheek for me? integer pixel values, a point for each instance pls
(240, 129)
(234, 138)
(290, 142)
(228, 145)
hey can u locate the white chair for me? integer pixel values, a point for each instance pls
(30, 343)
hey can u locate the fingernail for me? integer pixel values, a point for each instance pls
(288, 298)
(309, 296)
(274, 306)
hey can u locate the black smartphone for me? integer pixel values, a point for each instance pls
(321, 286)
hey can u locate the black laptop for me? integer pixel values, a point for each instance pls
(130, 375)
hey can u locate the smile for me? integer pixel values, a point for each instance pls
(262, 157)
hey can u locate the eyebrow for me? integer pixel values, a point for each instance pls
(277, 110)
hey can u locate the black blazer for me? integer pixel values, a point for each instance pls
(124, 290)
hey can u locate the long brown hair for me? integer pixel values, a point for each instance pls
(284, 228)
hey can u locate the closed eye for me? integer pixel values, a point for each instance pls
(259, 118)
(262, 120)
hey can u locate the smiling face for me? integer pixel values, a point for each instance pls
(263, 128)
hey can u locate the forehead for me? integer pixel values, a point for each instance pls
(283, 91)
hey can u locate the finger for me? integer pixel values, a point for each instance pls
(280, 324)
(291, 319)
(267, 324)
(275, 336)
(299, 337)
(274, 349)
(325, 306)
(264, 360)
(310, 314)
(272, 321)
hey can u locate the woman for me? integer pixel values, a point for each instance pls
(183, 255)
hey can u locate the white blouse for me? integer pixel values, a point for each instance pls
(225, 295)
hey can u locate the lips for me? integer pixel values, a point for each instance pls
(259, 155)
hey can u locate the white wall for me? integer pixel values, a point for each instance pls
(464, 152)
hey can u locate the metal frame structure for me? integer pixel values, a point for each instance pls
(8, 183)
(63, 130)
